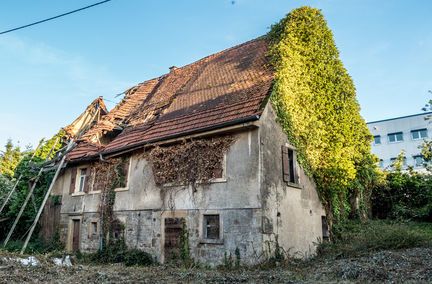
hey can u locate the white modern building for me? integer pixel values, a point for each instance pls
(406, 133)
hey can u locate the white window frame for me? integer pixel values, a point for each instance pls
(78, 176)
(395, 134)
(419, 131)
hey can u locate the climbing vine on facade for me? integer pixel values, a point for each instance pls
(190, 161)
(315, 101)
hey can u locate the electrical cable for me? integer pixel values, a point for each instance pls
(55, 17)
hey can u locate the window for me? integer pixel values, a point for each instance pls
(117, 229)
(395, 137)
(377, 139)
(289, 165)
(79, 182)
(325, 228)
(82, 179)
(122, 171)
(418, 161)
(211, 227)
(93, 230)
(419, 134)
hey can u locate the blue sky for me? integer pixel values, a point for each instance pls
(51, 72)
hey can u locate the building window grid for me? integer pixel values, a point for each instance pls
(419, 134)
(377, 139)
(418, 160)
(395, 137)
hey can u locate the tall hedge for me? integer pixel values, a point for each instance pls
(315, 100)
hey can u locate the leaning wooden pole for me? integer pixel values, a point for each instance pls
(47, 194)
(18, 180)
(30, 193)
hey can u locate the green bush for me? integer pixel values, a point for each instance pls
(137, 257)
(117, 252)
(405, 195)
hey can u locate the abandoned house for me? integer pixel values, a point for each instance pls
(196, 155)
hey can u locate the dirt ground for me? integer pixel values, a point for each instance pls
(410, 266)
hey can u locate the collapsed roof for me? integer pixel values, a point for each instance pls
(226, 88)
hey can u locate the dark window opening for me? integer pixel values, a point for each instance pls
(117, 229)
(419, 133)
(211, 227)
(395, 137)
(325, 229)
(289, 165)
(377, 139)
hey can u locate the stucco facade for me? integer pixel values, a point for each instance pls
(251, 200)
(394, 135)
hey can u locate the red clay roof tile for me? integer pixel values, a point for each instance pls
(221, 88)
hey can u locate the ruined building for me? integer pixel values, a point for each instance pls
(195, 155)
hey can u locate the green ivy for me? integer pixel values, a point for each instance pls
(315, 101)
(29, 170)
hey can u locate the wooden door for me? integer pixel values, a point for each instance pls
(76, 235)
(173, 231)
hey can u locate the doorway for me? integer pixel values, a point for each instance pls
(173, 231)
(76, 235)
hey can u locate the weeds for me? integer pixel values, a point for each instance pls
(355, 239)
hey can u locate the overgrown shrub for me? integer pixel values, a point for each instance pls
(117, 252)
(404, 195)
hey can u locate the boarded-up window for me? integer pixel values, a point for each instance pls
(289, 165)
(211, 227)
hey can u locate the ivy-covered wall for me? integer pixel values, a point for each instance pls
(315, 101)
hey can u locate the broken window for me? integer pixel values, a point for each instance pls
(211, 227)
(289, 165)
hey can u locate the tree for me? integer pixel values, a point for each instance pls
(315, 100)
(9, 159)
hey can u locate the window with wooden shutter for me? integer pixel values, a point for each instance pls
(82, 179)
(87, 180)
(73, 180)
(289, 166)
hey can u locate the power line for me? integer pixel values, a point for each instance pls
(55, 17)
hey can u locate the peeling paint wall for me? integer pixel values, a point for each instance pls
(291, 213)
(252, 201)
(143, 206)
